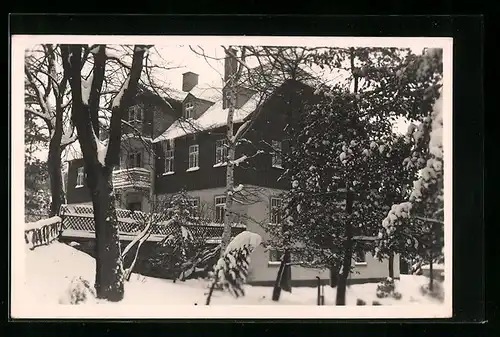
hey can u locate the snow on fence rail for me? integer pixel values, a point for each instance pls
(42, 232)
(80, 218)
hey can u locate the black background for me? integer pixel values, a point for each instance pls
(469, 262)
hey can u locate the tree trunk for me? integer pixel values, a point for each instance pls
(226, 233)
(55, 176)
(391, 266)
(333, 276)
(109, 264)
(346, 269)
(431, 281)
(346, 263)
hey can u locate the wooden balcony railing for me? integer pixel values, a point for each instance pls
(137, 177)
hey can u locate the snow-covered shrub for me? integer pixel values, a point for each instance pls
(359, 301)
(231, 270)
(79, 291)
(376, 303)
(437, 291)
(385, 288)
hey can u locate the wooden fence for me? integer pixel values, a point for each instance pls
(42, 232)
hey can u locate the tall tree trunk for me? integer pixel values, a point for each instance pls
(391, 266)
(109, 263)
(348, 245)
(55, 176)
(334, 271)
(226, 233)
(346, 268)
(431, 276)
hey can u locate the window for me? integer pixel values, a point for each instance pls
(134, 206)
(360, 257)
(188, 110)
(135, 114)
(277, 160)
(276, 210)
(135, 159)
(193, 156)
(168, 148)
(275, 256)
(220, 207)
(80, 177)
(195, 204)
(220, 151)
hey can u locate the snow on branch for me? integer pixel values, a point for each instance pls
(243, 127)
(238, 161)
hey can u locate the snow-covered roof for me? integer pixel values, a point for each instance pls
(207, 93)
(213, 118)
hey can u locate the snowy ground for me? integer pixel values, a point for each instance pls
(50, 269)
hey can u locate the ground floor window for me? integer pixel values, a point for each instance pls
(275, 255)
(360, 257)
(220, 209)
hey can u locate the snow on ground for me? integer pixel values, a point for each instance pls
(50, 270)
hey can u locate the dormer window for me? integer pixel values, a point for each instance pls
(188, 110)
(135, 114)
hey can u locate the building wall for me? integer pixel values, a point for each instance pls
(374, 269)
(263, 271)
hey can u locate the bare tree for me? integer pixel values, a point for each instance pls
(47, 97)
(99, 160)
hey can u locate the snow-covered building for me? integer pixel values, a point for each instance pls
(178, 142)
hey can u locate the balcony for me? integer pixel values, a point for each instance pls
(136, 178)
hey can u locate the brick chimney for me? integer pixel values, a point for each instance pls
(189, 81)
(230, 64)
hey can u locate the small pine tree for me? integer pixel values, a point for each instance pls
(231, 270)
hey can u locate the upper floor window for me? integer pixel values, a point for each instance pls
(134, 159)
(135, 114)
(80, 177)
(220, 209)
(168, 148)
(220, 151)
(276, 211)
(277, 160)
(189, 110)
(193, 156)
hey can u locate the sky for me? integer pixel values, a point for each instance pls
(181, 58)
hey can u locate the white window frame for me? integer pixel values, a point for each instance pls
(169, 156)
(80, 177)
(277, 158)
(221, 148)
(362, 261)
(188, 110)
(275, 218)
(135, 114)
(271, 257)
(132, 163)
(220, 204)
(195, 201)
(194, 157)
